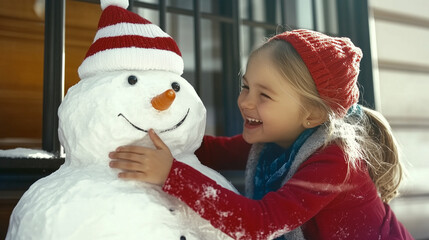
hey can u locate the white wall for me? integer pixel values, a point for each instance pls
(402, 50)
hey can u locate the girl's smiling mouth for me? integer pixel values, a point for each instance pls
(165, 130)
(252, 122)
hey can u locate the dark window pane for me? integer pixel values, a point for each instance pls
(268, 11)
(211, 74)
(183, 4)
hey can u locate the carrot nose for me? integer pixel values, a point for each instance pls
(163, 100)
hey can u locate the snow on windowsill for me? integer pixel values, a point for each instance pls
(25, 153)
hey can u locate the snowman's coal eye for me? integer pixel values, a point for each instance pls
(132, 80)
(175, 86)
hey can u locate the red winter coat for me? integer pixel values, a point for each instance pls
(317, 198)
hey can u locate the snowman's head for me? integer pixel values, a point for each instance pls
(130, 83)
(117, 108)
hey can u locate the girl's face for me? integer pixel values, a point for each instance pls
(271, 109)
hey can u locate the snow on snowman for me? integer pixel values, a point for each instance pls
(130, 82)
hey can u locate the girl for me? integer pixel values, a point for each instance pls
(319, 166)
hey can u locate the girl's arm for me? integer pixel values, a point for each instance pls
(153, 165)
(314, 185)
(224, 153)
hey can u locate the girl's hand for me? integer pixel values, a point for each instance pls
(142, 163)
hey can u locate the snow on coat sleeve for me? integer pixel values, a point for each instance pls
(318, 181)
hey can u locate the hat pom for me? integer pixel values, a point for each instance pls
(119, 3)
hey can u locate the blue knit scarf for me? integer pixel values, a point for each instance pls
(274, 163)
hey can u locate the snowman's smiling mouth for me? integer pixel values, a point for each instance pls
(165, 130)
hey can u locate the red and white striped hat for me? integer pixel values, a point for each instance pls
(126, 41)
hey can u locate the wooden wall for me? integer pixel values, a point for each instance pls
(21, 65)
(21, 74)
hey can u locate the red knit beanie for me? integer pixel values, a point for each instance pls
(333, 64)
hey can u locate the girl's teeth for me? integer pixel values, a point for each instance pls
(254, 121)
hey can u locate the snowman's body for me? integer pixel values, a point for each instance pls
(84, 199)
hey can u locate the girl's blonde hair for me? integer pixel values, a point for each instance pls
(366, 136)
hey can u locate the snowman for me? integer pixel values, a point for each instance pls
(130, 82)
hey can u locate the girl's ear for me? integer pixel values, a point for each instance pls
(314, 117)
